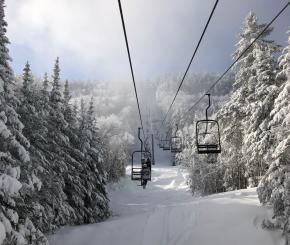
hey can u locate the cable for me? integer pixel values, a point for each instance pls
(131, 67)
(240, 56)
(195, 51)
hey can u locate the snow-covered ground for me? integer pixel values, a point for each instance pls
(166, 213)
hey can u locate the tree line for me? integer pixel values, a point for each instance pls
(54, 162)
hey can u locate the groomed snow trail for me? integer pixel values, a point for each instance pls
(165, 213)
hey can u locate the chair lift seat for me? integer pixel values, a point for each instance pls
(204, 149)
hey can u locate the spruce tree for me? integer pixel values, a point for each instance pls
(243, 115)
(55, 95)
(262, 91)
(15, 159)
(45, 86)
(275, 185)
(27, 79)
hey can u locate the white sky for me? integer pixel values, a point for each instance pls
(87, 35)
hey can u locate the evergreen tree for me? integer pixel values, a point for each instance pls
(27, 79)
(55, 95)
(274, 187)
(45, 86)
(263, 89)
(14, 157)
(242, 117)
(66, 93)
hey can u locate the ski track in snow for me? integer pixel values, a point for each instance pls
(166, 213)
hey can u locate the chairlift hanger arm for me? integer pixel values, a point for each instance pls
(209, 104)
(139, 137)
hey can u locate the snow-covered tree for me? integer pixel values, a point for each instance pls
(243, 117)
(14, 157)
(262, 91)
(45, 86)
(274, 187)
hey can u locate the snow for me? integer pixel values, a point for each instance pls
(34, 181)
(18, 238)
(166, 213)
(13, 172)
(6, 223)
(2, 232)
(9, 185)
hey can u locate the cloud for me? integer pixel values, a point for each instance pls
(88, 37)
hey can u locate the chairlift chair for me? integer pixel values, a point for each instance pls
(161, 144)
(208, 134)
(141, 172)
(176, 142)
(166, 145)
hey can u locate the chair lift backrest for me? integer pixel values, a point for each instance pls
(206, 111)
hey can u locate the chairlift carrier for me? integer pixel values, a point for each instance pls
(176, 142)
(143, 172)
(161, 143)
(166, 144)
(214, 146)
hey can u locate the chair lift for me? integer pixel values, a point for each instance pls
(143, 171)
(176, 142)
(161, 144)
(166, 144)
(158, 137)
(208, 134)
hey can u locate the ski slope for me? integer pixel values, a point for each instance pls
(166, 213)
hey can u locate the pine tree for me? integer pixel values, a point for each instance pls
(263, 88)
(6, 72)
(27, 79)
(274, 186)
(55, 95)
(45, 86)
(242, 117)
(28, 100)
(66, 93)
(14, 155)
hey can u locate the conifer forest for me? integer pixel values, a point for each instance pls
(184, 139)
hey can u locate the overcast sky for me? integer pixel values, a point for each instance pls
(87, 35)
